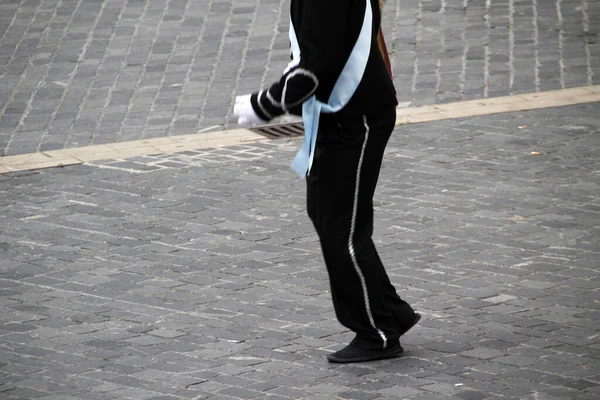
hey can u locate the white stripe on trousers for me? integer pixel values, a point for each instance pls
(351, 238)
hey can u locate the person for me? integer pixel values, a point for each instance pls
(340, 81)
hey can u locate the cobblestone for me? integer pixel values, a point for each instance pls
(197, 274)
(75, 73)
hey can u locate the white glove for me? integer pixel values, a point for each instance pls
(244, 110)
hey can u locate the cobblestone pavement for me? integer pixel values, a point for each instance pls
(197, 275)
(77, 72)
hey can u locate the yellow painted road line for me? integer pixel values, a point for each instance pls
(498, 105)
(115, 151)
(410, 115)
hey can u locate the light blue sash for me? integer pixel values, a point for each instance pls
(343, 91)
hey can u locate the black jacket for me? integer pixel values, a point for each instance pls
(327, 31)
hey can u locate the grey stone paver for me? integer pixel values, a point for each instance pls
(198, 275)
(76, 72)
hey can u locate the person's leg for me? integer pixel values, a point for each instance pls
(379, 131)
(340, 191)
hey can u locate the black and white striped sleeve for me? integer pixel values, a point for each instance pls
(321, 37)
(295, 87)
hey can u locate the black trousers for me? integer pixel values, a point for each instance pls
(340, 189)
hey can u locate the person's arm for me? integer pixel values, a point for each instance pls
(322, 39)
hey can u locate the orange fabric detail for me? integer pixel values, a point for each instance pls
(381, 42)
(382, 46)
(384, 52)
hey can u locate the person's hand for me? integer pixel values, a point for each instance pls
(244, 111)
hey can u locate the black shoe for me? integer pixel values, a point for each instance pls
(351, 354)
(408, 327)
